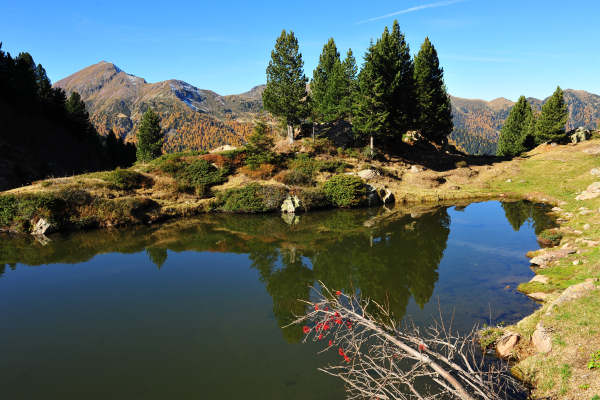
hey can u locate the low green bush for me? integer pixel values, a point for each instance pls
(196, 176)
(312, 198)
(252, 198)
(309, 166)
(345, 190)
(124, 179)
(294, 178)
(550, 237)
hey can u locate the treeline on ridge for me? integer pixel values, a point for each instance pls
(42, 133)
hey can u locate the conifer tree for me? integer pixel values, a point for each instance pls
(385, 104)
(434, 111)
(350, 71)
(515, 131)
(326, 84)
(149, 137)
(285, 95)
(551, 124)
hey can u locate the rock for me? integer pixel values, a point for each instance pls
(291, 205)
(415, 169)
(454, 188)
(586, 227)
(506, 344)
(595, 171)
(576, 262)
(541, 339)
(540, 279)
(386, 196)
(538, 296)
(508, 180)
(226, 147)
(546, 258)
(367, 174)
(593, 151)
(557, 209)
(42, 227)
(585, 212)
(572, 293)
(580, 135)
(591, 192)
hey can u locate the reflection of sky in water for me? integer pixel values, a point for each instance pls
(207, 322)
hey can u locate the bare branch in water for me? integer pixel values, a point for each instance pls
(380, 360)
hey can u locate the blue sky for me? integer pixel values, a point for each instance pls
(488, 48)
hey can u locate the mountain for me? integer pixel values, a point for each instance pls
(202, 119)
(477, 123)
(193, 118)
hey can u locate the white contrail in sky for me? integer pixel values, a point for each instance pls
(413, 9)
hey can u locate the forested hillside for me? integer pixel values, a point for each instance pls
(201, 119)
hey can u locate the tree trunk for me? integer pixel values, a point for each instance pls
(290, 134)
(313, 133)
(371, 144)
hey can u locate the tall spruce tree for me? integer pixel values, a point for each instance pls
(551, 124)
(386, 96)
(285, 95)
(350, 86)
(149, 137)
(515, 131)
(434, 111)
(326, 85)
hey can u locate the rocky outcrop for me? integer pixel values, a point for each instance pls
(368, 174)
(591, 192)
(538, 296)
(544, 259)
(572, 293)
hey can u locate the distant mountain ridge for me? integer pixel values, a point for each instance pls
(201, 119)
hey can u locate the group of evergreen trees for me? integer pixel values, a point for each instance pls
(32, 110)
(523, 130)
(392, 94)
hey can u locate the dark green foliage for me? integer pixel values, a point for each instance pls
(551, 124)
(312, 198)
(386, 103)
(295, 177)
(196, 176)
(550, 237)
(434, 111)
(123, 179)
(149, 137)
(516, 129)
(333, 85)
(285, 93)
(253, 198)
(258, 148)
(157, 255)
(44, 134)
(345, 190)
(308, 165)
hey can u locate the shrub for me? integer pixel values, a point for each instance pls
(312, 198)
(345, 190)
(255, 159)
(123, 179)
(294, 178)
(200, 175)
(550, 237)
(332, 166)
(264, 171)
(252, 198)
(319, 146)
(304, 163)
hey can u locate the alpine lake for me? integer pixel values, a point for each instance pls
(195, 308)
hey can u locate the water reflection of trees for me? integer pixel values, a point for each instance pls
(519, 212)
(389, 262)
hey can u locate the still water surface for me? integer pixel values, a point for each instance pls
(193, 309)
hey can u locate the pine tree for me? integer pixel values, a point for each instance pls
(350, 73)
(385, 104)
(285, 94)
(551, 124)
(326, 84)
(149, 137)
(434, 111)
(515, 131)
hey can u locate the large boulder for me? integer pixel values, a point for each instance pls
(505, 346)
(291, 205)
(368, 174)
(580, 135)
(573, 293)
(544, 259)
(42, 227)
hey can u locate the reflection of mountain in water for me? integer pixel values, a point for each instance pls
(389, 258)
